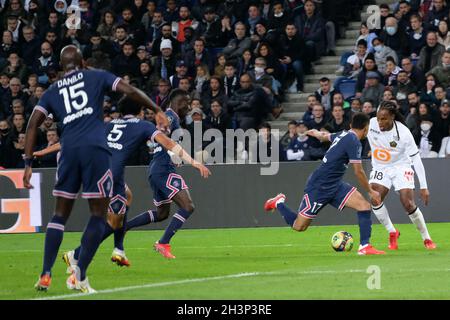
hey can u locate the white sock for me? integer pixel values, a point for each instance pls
(281, 200)
(419, 221)
(382, 215)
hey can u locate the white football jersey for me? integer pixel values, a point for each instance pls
(391, 148)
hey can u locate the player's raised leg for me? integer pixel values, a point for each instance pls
(297, 221)
(53, 238)
(416, 216)
(382, 214)
(356, 201)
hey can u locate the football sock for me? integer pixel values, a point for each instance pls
(106, 234)
(288, 215)
(175, 224)
(119, 234)
(92, 237)
(382, 215)
(365, 227)
(141, 220)
(53, 239)
(417, 218)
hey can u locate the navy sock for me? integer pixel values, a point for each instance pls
(53, 239)
(106, 234)
(92, 237)
(141, 220)
(119, 234)
(288, 215)
(365, 227)
(175, 224)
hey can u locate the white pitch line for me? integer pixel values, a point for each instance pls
(231, 276)
(171, 283)
(152, 285)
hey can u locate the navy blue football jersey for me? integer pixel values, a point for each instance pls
(124, 137)
(161, 162)
(297, 145)
(76, 102)
(345, 148)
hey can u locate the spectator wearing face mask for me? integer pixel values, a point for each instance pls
(442, 71)
(395, 38)
(427, 139)
(382, 52)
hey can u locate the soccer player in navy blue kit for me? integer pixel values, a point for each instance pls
(124, 137)
(76, 101)
(166, 184)
(325, 185)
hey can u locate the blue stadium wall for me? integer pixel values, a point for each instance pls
(234, 195)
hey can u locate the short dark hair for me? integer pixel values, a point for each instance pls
(362, 42)
(266, 125)
(324, 79)
(129, 106)
(385, 6)
(177, 93)
(360, 120)
(292, 122)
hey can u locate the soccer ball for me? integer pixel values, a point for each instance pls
(342, 241)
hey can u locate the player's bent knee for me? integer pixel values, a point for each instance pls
(190, 208)
(409, 206)
(300, 226)
(115, 221)
(162, 215)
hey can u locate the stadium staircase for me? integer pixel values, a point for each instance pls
(295, 104)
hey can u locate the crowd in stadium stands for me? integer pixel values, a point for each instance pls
(235, 59)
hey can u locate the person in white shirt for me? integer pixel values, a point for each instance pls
(393, 151)
(444, 152)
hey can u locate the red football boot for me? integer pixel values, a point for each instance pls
(44, 283)
(393, 237)
(164, 249)
(429, 244)
(368, 250)
(271, 204)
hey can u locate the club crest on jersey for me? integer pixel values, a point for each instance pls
(393, 144)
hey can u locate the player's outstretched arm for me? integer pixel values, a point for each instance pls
(171, 145)
(37, 118)
(420, 171)
(321, 136)
(364, 182)
(52, 149)
(142, 99)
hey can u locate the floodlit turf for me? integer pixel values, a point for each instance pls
(258, 263)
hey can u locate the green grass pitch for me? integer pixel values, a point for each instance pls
(255, 263)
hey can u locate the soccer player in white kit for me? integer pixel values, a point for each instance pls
(393, 152)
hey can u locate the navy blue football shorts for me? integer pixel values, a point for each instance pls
(315, 199)
(89, 167)
(118, 203)
(165, 187)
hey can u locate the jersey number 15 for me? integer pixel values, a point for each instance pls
(71, 95)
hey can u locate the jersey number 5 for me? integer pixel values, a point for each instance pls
(71, 95)
(117, 132)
